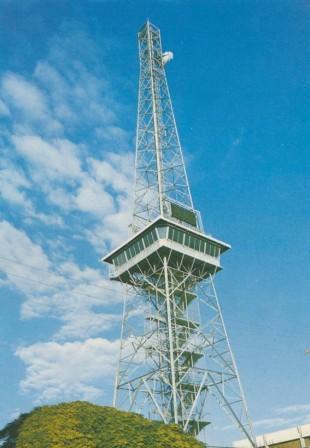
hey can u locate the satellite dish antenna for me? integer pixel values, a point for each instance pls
(167, 57)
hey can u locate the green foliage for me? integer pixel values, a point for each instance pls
(85, 425)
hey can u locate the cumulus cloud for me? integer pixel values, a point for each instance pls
(75, 93)
(91, 197)
(68, 371)
(29, 103)
(13, 183)
(23, 94)
(57, 159)
(115, 171)
(65, 115)
(66, 292)
(56, 166)
(14, 189)
(67, 161)
(16, 245)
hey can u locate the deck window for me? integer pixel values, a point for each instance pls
(194, 242)
(162, 232)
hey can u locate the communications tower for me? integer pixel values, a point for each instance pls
(174, 350)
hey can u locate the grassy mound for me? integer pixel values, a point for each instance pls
(85, 425)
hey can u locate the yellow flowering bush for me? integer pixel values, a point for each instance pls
(84, 425)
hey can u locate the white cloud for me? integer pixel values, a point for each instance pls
(16, 245)
(60, 158)
(295, 414)
(87, 324)
(23, 94)
(51, 220)
(68, 371)
(287, 416)
(103, 188)
(69, 163)
(116, 171)
(60, 197)
(66, 292)
(78, 96)
(15, 189)
(93, 198)
(294, 408)
(277, 422)
(115, 231)
(57, 159)
(12, 185)
(29, 103)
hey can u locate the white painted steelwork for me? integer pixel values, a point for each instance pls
(174, 350)
(160, 170)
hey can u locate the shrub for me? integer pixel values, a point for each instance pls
(85, 425)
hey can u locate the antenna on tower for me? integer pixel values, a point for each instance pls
(167, 57)
(174, 350)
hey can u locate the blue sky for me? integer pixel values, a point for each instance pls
(68, 96)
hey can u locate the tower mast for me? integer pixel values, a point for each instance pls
(175, 351)
(160, 170)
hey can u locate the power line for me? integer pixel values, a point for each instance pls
(49, 272)
(53, 286)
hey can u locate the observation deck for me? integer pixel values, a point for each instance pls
(185, 249)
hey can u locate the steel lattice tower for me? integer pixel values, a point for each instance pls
(174, 349)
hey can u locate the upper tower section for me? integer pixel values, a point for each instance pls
(161, 185)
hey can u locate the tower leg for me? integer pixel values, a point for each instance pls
(175, 351)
